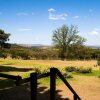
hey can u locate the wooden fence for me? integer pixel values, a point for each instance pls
(33, 83)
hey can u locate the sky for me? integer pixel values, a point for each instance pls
(33, 21)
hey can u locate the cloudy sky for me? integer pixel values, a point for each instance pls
(32, 21)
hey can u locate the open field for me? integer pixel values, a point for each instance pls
(86, 85)
(47, 63)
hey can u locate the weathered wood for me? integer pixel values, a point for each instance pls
(75, 97)
(33, 86)
(43, 75)
(52, 84)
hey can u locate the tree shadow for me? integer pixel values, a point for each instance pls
(23, 93)
(10, 68)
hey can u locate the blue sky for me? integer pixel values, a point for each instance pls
(32, 21)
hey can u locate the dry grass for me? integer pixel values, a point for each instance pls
(49, 63)
(88, 87)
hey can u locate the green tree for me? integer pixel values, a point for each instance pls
(4, 37)
(66, 36)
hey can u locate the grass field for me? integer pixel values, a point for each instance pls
(86, 85)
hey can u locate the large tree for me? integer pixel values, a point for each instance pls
(66, 36)
(4, 37)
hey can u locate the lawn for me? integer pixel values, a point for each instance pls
(86, 85)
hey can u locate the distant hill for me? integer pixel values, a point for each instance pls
(34, 45)
(17, 46)
(45, 46)
(94, 47)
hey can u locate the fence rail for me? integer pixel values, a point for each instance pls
(33, 83)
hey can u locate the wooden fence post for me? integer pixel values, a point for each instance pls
(75, 97)
(33, 86)
(52, 83)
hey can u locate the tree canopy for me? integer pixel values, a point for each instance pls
(4, 37)
(66, 36)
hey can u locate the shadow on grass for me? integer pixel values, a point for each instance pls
(23, 93)
(10, 68)
(6, 83)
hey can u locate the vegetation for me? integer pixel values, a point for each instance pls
(65, 38)
(4, 37)
(78, 69)
(19, 52)
(67, 45)
(98, 60)
(83, 70)
(70, 68)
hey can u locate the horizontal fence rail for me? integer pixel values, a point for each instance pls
(25, 80)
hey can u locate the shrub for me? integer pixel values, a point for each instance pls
(78, 69)
(70, 68)
(41, 71)
(83, 70)
(37, 70)
(45, 70)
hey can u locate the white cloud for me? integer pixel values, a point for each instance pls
(22, 14)
(90, 10)
(57, 17)
(53, 16)
(76, 17)
(24, 29)
(95, 31)
(51, 10)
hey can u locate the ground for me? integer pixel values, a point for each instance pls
(86, 86)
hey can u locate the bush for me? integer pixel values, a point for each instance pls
(41, 71)
(78, 69)
(83, 70)
(37, 70)
(70, 69)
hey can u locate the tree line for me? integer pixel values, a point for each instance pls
(67, 44)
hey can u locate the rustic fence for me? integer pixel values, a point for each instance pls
(33, 83)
